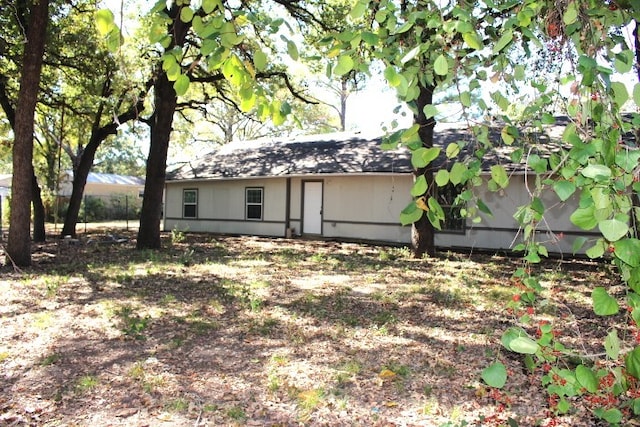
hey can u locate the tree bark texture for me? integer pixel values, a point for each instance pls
(161, 124)
(422, 232)
(39, 231)
(19, 242)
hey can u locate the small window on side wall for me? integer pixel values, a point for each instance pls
(454, 221)
(190, 203)
(254, 203)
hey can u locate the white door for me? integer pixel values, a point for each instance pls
(312, 208)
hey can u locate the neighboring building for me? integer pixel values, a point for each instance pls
(343, 186)
(5, 185)
(103, 184)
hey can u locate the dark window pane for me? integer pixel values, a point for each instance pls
(254, 211)
(190, 211)
(190, 196)
(254, 195)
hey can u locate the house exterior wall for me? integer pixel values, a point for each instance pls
(221, 207)
(500, 231)
(365, 207)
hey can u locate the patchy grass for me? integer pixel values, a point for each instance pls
(232, 331)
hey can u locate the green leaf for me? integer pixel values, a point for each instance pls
(511, 334)
(603, 303)
(620, 93)
(628, 160)
(570, 14)
(260, 60)
(613, 229)
(292, 50)
(430, 111)
(423, 156)
(114, 40)
(358, 10)
(345, 65)
(181, 85)
(410, 214)
(636, 94)
(597, 250)
(597, 172)
(457, 173)
(410, 55)
(632, 362)
(584, 218)
(104, 21)
(524, 345)
(499, 175)
(442, 177)
(612, 416)
(587, 378)
(506, 38)
(612, 345)
(209, 5)
(495, 375)
(483, 207)
(452, 150)
(564, 189)
(186, 14)
(392, 76)
(420, 186)
(628, 251)
(465, 99)
(473, 40)
(578, 243)
(441, 66)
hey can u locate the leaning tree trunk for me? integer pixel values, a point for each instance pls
(19, 242)
(422, 233)
(161, 124)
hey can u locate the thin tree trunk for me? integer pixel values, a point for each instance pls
(422, 232)
(39, 231)
(19, 242)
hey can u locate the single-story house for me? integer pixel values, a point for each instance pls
(343, 186)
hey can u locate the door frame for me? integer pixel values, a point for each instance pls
(303, 202)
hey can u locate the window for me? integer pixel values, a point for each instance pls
(454, 222)
(189, 203)
(254, 198)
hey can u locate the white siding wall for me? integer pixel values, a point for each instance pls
(221, 207)
(363, 207)
(500, 231)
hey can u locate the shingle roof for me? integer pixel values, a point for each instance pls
(320, 154)
(351, 153)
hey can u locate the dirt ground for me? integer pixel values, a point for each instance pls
(216, 331)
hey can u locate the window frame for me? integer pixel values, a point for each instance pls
(186, 204)
(249, 204)
(446, 197)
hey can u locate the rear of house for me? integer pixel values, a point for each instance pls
(344, 187)
(329, 186)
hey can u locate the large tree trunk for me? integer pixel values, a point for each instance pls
(39, 231)
(161, 124)
(19, 242)
(422, 233)
(80, 175)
